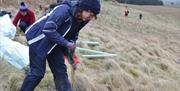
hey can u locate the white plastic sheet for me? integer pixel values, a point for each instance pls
(11, 51)
(7, 29)
(14, 52)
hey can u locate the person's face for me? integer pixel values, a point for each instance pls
(23, 13)
(87, 15)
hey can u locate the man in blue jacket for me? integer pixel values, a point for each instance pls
(53, 33)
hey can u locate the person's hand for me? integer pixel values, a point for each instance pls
(71, 45)
(74, 66)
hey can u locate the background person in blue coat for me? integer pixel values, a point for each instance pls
(51, 35)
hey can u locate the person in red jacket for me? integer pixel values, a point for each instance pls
(126, 11)
(24, 18)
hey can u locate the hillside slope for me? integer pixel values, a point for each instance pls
(147, 51)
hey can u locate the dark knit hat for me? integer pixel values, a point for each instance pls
(92, 5)
(23, 7)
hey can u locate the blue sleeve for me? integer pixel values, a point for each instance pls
(56, 17)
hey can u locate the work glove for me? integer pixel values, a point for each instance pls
(71, 46)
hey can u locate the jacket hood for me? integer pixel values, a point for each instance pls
(73, 4)
(70, 3)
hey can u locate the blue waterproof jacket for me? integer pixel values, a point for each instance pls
(55, 28)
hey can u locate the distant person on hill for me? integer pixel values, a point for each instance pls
(140, 16)
(24, 18)
(126, 11)
(51, 36)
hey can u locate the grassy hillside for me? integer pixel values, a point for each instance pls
(147, 51)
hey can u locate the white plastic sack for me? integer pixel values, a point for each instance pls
(14, 52)
(7, 29)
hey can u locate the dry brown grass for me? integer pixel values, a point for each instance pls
(147, 49)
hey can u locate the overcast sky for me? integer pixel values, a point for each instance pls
(172, 0)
